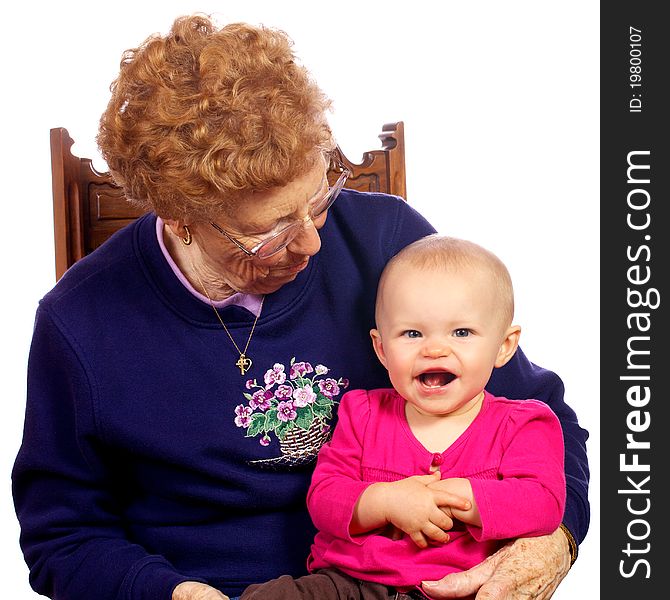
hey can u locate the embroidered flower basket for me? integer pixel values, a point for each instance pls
(296, 408)
(298, 442)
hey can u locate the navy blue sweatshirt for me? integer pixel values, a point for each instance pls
(148, 459)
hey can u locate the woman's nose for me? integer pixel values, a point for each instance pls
(307, 242)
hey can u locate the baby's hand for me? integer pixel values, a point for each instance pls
(463, 489)
(413, 507)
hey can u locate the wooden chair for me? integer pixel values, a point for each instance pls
(89, 207)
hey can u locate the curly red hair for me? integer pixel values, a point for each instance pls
(203, 116)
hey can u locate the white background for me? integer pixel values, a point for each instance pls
(501, 108)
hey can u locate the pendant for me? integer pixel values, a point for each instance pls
(243, 364)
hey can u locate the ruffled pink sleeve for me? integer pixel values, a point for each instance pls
(337, 483)
(528, 497)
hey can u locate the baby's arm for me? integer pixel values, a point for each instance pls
(411, 506)
(527, 496)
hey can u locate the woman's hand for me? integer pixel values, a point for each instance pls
(525, 568)
(193, 590)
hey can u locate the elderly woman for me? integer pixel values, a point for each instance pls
(183, 377)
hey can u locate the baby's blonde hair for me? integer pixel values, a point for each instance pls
(442, 253)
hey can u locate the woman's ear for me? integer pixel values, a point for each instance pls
(378, 345)
(176, 227)
(509, 345)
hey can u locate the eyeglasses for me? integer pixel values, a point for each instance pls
(278, 241)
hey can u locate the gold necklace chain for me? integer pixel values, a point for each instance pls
(244, 362)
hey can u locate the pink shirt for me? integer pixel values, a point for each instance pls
(512, 453)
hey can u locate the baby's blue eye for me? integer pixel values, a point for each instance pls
(412, 333)
(461, 332)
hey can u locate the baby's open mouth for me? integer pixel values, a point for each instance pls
(435, 379)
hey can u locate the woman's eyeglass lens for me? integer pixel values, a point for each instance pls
(283, 238)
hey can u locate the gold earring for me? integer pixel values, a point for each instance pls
(188, 239)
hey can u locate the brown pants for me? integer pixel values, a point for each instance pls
(326, 584)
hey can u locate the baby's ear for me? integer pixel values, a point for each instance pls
(509, 345)
(378, 345)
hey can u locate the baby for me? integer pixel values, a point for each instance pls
(435, 474)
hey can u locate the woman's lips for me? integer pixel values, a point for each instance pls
(297, 268)
(282, 271)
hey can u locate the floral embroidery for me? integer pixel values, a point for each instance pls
(299, 369)
(274, 375)
(243, 418)
(295, 409)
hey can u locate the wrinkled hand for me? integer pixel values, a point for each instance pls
(525, 568)
(194, 590)
(415, 509)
